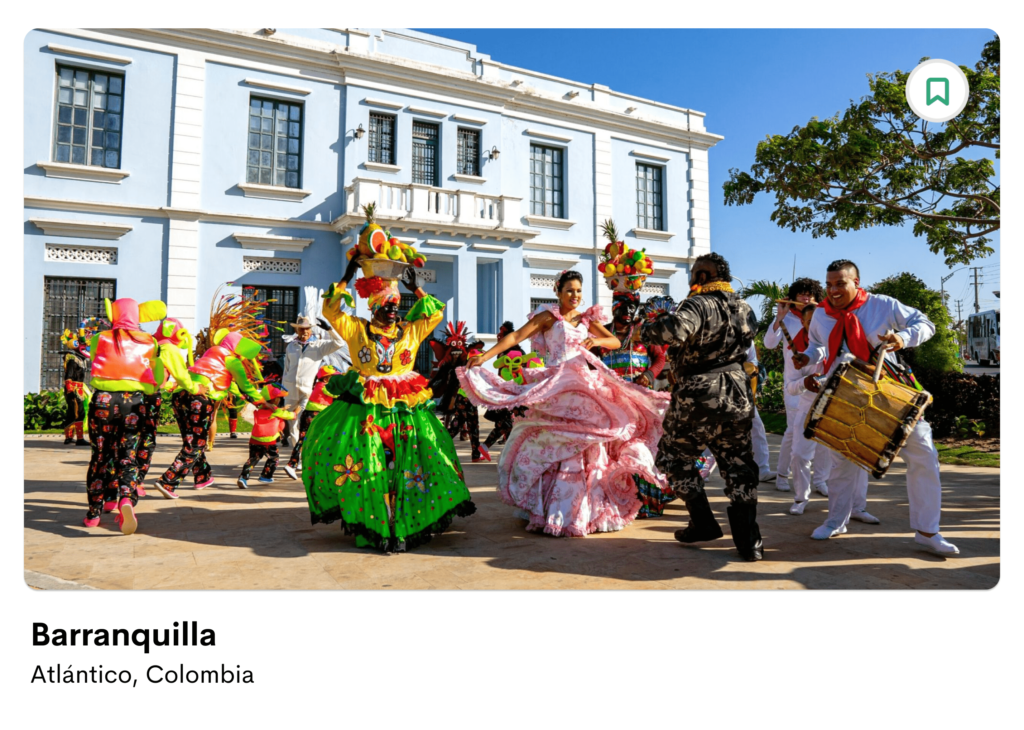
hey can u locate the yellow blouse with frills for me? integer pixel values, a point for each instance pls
(401, 384)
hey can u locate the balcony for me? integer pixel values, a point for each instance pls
(426, 209)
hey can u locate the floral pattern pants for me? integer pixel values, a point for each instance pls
(147, 443)
(466, 418)
(193, 414)
(115, 430)
(304, 420)
(257, 450)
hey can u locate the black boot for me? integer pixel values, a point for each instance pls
(703, 525)
(745, 532)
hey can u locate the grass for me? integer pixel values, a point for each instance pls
(967, 456)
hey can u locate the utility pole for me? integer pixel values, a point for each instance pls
(942, 288)
(958, 320)
(977, 307)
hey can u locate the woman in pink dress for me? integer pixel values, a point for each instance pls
(569, 463)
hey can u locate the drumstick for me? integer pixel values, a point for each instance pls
(883, 347)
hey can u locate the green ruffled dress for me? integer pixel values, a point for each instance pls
(377, 459)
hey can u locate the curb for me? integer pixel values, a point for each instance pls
(43, 582)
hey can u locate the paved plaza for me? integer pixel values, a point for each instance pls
(227, 538)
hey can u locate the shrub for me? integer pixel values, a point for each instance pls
(771, 399)
(961, 400)
(44, 410)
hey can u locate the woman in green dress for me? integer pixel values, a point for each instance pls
(377, 458)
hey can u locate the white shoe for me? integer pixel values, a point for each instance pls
(825, 532)
(290, 472)
(782, 484)
(767, 476)
(797, 508)
(168, 494)
(936, 544)
(821, 489)
(866, 517)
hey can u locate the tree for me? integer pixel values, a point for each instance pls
(879, 164)
(769, 291)
(939, 354)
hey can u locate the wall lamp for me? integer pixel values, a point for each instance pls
(359, 132)
(493, 153)
(630, 109)
(573, 94)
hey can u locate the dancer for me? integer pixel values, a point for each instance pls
(569, 464)
(217, 370)
(854, 321)
(268, 423)
(451, 353)
(76, 370)
(803, 449)
(377, 458)
(125, 370)
(712, 407)
(802, 292)
(640, 364)
(233, 410)
(319, 399)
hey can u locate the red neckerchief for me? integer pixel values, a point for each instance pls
(801, 341)
(847, 327)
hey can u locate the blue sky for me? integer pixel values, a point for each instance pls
(752, 83)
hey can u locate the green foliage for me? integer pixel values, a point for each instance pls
(879, 164)
(967, 427)
(771, 399)
(166, 412)
(940, 353)
(771, 360)
(44, 410)
(769, 292)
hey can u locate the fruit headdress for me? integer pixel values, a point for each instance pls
(624, 269)
(377, 243)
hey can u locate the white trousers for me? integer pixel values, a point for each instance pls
(924, 490)
(804, 453)
(821, 457)
(292, 426)
(760, 439)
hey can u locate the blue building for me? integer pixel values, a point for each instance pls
(162, 164)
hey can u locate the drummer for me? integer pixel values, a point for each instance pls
(851, 320)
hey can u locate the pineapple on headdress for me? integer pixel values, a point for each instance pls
(624, 269)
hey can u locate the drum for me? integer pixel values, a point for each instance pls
(864, 417)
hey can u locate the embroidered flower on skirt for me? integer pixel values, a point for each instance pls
(349, 470)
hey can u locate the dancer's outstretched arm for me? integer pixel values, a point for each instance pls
(541, 323)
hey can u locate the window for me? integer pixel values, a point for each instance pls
(282, 310)
(90, 105)
(66, 302)
(424, 356)
(275, 143)
(424, 153)
(488, 297)
(469, 152)
(540, 301)
(546, 181)
(382, 139)
(648, 197)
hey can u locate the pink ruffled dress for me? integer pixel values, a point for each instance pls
(569, 463)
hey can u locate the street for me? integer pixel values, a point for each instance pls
(227, 538)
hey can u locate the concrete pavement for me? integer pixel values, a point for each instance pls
(227, 538)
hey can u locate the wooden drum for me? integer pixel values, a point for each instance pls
(865, 418)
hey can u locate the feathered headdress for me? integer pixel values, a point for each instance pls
(242, 314)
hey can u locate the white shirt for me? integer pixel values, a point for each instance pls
(302, 363)
(878, 315)
(773, 337)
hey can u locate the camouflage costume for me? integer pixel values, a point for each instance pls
(712, 406)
